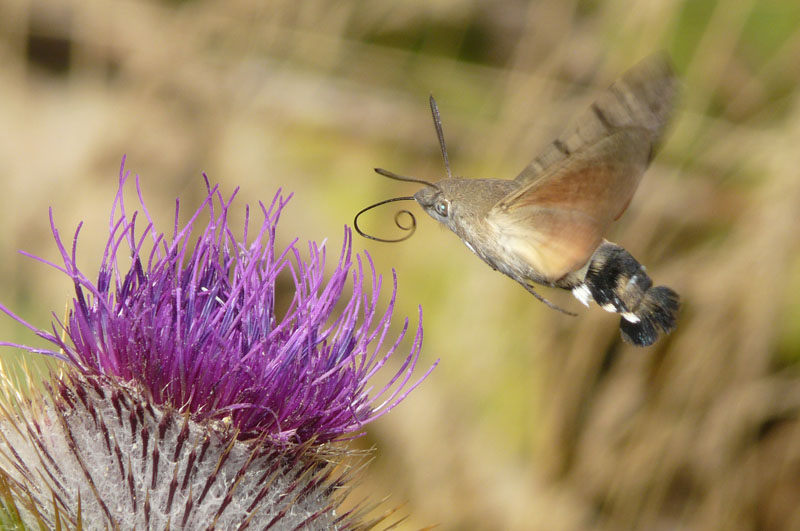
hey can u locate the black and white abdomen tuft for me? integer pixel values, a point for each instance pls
(620, 284)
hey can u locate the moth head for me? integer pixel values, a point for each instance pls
(435, 202)
(462, 204)
(432, 198)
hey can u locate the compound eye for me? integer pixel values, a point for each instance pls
(442, 208)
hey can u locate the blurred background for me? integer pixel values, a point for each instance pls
(533, 420)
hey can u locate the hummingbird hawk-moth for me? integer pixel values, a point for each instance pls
(546, 225)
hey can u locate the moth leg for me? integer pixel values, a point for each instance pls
(547, 302)
(619, 283)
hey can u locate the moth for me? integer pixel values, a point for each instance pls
(547, 225)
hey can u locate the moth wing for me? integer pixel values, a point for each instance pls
(642, 98)
(585, 179)
(556, 222)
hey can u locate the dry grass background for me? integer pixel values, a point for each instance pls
(533, 420)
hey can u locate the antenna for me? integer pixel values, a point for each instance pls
(437, 122)
(396, 177)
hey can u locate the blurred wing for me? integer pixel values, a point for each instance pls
(569, 195)
(643, 97)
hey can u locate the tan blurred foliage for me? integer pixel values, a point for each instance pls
(533, 420)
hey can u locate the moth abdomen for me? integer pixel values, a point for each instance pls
(657, 314)
(619, 283)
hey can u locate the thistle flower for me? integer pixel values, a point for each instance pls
(188, 402)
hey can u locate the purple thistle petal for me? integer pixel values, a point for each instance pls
(192, 322)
